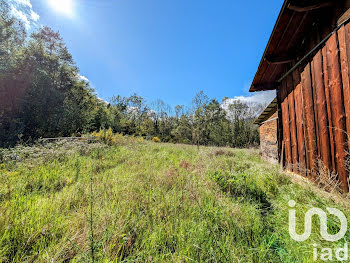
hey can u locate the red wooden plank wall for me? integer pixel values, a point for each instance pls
(298, 98)
(315, 105)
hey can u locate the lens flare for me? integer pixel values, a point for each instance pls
(65, 7)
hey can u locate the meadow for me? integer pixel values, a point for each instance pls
(142, 201)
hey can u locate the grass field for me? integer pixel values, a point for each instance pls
(150, 202)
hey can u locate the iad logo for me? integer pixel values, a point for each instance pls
(323, 222)
(326, 253)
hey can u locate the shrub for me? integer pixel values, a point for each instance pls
(156, 139)
(108, 137)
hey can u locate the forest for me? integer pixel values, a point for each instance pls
(43, 95)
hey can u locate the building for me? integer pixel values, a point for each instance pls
(307, 61)
(268, 122)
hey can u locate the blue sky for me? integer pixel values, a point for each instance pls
(166, 49)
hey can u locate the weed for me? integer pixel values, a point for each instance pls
(148, 202)
(156, 139)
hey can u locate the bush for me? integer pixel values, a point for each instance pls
(156, 139)
(108, 137)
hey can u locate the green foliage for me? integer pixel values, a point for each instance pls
(41, 93)
(12, 36)
(206, 123)
(43, 96)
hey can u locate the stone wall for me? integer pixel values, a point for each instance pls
(268, 139)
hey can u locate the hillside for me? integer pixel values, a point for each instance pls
(149, 202)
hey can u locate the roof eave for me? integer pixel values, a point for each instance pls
(267, 113)
(252, 88)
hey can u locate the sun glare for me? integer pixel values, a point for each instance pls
(64, 7)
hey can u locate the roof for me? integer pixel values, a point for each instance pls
(267, 113)
(285, 45)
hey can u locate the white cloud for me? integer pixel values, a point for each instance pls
(256, 102)
(23, 2)
(261, 97)
(81, 77)
(103, 101)
(34, 16)
(21, 16)
(23, 10)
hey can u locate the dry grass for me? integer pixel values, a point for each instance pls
(151, 202)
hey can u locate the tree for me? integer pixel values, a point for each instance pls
(244, 132)
(182, 132)
(198, 129)
(215, 124)
(42, 96)
(12, 75)
(138, 110)
(79, 106)
(12, 38)
(41, 93)
(179, 111)
(53, 78)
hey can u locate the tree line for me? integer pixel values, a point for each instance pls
(43, 95)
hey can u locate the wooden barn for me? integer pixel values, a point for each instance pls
(307, 62)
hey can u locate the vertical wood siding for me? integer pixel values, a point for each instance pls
(344, 47)
(328, 105)
(286, 126)
(299, 122)
(314, 105)
(309, 119)
(293, 129)
(337, 106)
(321, 112)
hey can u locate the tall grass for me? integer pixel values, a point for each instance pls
(150, 202)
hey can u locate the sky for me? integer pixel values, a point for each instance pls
(161, 49)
